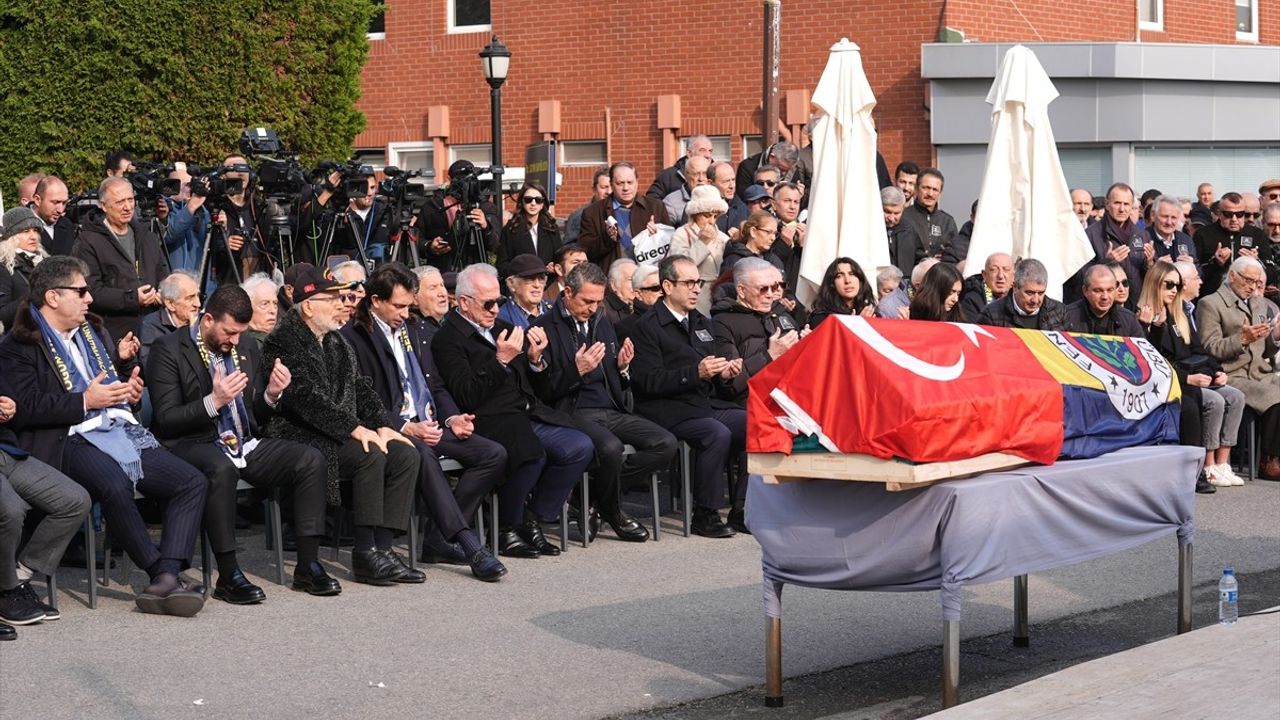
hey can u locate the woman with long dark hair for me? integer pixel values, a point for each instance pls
(844, 291)
(532, 229)
(939, 295)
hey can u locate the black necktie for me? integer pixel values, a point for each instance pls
(684, 325)
(582, 333)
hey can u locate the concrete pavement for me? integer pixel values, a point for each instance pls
(607, 631)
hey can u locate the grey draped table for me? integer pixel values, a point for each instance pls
(841, 535)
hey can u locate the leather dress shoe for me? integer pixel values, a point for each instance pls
(738, 520)
(7, 632)
(169, 595)
(510, 544)
(707, 523)
(628, 528)
(373, 568)
(442, 552)
(408, 575)
(313, 580)
(486, 567)
(531, 533)
(237, 590)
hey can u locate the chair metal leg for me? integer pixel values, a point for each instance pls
(206, 560)
(91, 560)
(950, 663)
(106, 556)
(584, 522)
(773, 663)
(1253, 449)
(51, 585)
(493, 524)
(413, 540)
(1021, 632)
(1184, 588)
(686, 470)
(657, 512)
(479, 522)
(276, 530)
(564, 528)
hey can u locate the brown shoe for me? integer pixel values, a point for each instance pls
(1269, 469)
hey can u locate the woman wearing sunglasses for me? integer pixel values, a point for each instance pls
(1211, 408)
(532, 230)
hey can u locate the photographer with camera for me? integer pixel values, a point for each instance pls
(188, 223)
(457, 227)
(236, 211)
(346, 217)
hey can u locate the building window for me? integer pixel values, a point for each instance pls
(468, 16)
(478, 155)
(721, 147)
(1178, 170)
(1247, 20)
(378, 23)
(752, 145)
(583, 153)
(1151, 14)
(410, 156)
(373, 157)
(1086, 167)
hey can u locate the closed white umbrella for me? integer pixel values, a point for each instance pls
(1024, 206)
(845, 216)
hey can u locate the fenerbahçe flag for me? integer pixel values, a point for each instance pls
(935, 392)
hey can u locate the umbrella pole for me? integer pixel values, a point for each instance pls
(772, 69)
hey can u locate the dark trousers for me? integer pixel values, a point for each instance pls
(273, 463)
(609, 431)
(484, 463)
(550, 478)
(433, 488)
(714, 439)
(165, 477)
(381, 483)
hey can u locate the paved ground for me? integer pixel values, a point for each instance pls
(604, 632)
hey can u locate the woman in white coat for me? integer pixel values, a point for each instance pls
(701, 240)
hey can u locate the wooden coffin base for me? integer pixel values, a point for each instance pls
(895, 474)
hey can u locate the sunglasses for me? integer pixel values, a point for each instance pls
(776, 287)
(348, 298)
(1123, 283)
(1171, 285)
(80, 290)
(488, 305)
(768, 183)
(532, 200)
(1233, 213)
(1252, 215)
(650, 288)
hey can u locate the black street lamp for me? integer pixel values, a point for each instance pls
(495, 59)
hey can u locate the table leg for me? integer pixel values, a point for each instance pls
(950, 663)
(1184, 588)
(1021, 634)
(773, 663)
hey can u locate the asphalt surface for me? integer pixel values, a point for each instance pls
(672, 629)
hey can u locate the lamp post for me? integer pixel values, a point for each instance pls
(495, 59)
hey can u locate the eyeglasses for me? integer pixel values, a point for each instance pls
(80, 290)
(1233, 213)
(1253, 282)
(488, 305)
(1171, 285)
(650, 288)
(774, 288)
(533, 200)
(691, 284)
(768, 183)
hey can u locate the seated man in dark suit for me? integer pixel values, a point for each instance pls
(1098, 312)
(491, 374)
(206, 410)
(589, 378)
(75, 399)
(330, 406)
(1026, 305)
(681, 384)
(390, 351)
(180, 295)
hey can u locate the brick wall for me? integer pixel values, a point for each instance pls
(597, 55)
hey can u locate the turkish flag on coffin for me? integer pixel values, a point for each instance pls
(922, 391)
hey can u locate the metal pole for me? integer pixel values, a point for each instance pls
(950, 663)
(1184, 588)
(495, 97)
(1021, 636)
(772, 69)
(773, 663)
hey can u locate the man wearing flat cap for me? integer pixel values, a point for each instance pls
(527, 284)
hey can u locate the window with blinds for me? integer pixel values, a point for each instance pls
(1178, 170)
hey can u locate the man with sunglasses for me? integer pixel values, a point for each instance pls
(1231, 237)
(74, 390)
(495, 375)
(684, 385)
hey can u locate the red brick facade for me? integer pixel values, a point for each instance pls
(607, 62)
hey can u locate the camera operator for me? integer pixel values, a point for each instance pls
(361, 230)
(238, 215)
(188, 222)
(449, 215)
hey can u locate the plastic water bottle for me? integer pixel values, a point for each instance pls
(1228, 598)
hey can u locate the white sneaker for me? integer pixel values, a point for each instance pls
(1215, 476)
(1225, 471)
